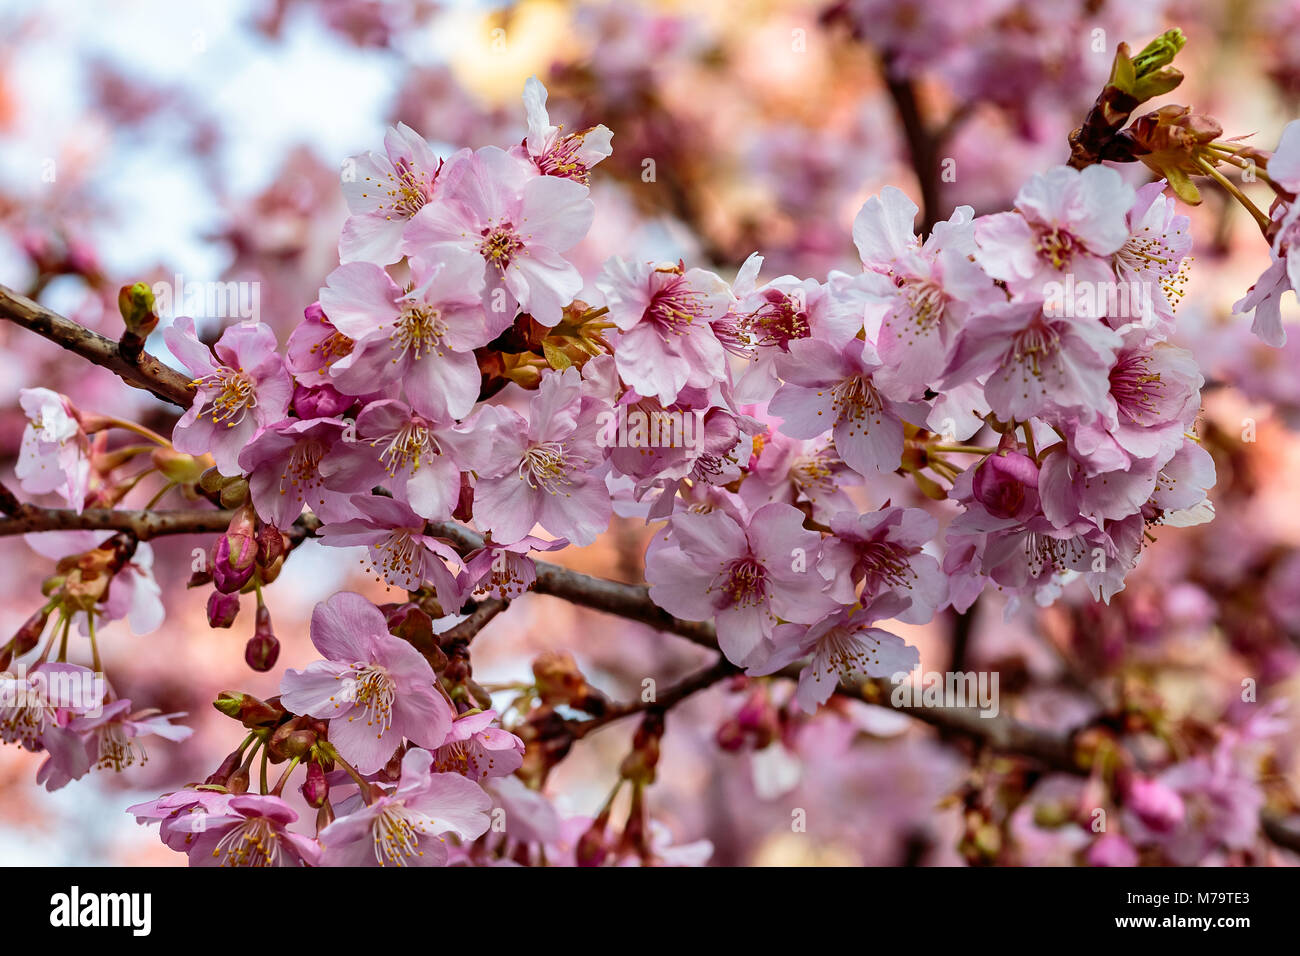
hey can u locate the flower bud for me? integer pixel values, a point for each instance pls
(592, 846)
(249, 710)
(221, 776)
(1006, 483)
(271, 545)
(235, 556)
(295, 738)
(321, 401)
(178, 467)
(316, 788)
(136, 303)
(222, 609)
(262, 649)
(234, 493)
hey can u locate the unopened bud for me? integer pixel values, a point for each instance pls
(263, 649)
(222, 609)
(316, 788)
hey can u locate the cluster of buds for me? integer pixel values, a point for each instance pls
(638, 770)
(756, 724)
(248, 555)
(283, 736)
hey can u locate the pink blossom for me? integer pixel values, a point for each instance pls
(881, 552)
(665, 317)
(55, 453)
(423, 339)
(499, 208)
(405, 828)
(419, 459)
(504, 570)
(1036, 364)
(315, 344)
(252, 831)
(401, 553)
(383, 193)
(710, 567)
(556, 153)
(242, 388)
(934, 285)
(829, 388)
(182, 814)
(541, 472)
(1065, 221)
(108, 740)
(766, 318)
(476, 749)
(843, 645)
(373, 688)
(286, 469)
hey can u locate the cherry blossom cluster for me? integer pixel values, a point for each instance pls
(458, 370)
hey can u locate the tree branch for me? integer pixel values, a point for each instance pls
(146, 372)
(141, 524)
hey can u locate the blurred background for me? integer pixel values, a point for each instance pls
(149, 139)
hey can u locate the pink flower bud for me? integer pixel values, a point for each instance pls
(233, 561)
(222, 609)
(316, 788)
(1007, 484)
(320, 401)
(262, 649)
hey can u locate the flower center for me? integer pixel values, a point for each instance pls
(398, 557)
(408, 447)
(744, 583)
(408, 189)
(234, 395)
(302, 470)
(1057, 246)
(777, 321)
(854, 400)
(419, 331)
(927, 302)
(374, 691)
(561, 158)
(117, 750)
(845, 652)
(500, 245)
(546, 466)
(1034, 347)
(675, 306)
(251, 843)
(397, 835)
(1135, 387)
(330, 349)
(885, 562)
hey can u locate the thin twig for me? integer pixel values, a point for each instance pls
(146, 372)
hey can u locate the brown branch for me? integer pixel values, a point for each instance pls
(143, 525)
(700, 680)
(479, 618)
(146, 372)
